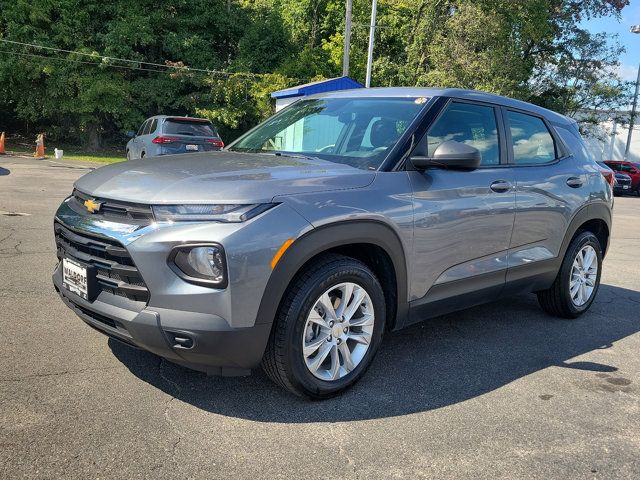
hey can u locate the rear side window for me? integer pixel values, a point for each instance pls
(189, 127)
(532, 142)
(474, 125)
(576, 144)
(153, 126)
(142, 127)
(147, 127)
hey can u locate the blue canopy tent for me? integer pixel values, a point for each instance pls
(290, 95)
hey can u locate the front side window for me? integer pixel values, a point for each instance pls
(354, 131)
(474, 125)
(532, 142)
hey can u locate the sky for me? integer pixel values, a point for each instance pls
(630, 16)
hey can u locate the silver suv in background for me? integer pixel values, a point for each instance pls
(166, 135)
(344, 216)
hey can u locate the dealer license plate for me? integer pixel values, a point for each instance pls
(625, 187)
(192, 147)
(74, 278)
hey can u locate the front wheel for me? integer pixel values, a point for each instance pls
(328, 328)
(576, 285)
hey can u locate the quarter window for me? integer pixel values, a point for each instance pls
(532, 142)
(575, 142)
(474, 125)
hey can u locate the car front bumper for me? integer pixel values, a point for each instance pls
(218, 331)
(213, 347)
(622, 189)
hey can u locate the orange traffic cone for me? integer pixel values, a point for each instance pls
(39, 146)
(2, 152)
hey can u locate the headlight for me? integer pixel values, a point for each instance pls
(211, 213)
(200, 264)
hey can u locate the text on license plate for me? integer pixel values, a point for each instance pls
(74, 278)
(192, 147)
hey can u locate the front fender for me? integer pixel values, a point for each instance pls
(325, 238)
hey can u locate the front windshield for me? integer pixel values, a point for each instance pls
(354, 131)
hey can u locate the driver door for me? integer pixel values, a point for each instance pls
(462, 219)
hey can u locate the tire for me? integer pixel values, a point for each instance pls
(142, 155)
(558, 300)
(286, 360)
(128, 155)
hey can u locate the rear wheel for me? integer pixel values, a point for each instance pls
(576, 285)
(328, 328)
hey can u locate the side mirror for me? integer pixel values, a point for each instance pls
(450, 154)
(130, 133)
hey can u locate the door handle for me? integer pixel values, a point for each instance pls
(574, 182)
(500, 186)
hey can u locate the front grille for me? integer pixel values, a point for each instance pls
(116, 272)
(135, 213)
(624, 181)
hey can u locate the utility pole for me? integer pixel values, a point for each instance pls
(347, 40)
(634, 29)
(632, 117)
(372, 33)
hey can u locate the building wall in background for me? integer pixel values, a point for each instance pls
(608, 140)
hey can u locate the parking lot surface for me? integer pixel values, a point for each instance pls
(497, 391)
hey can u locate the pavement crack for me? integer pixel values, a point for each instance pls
(177, 391)
(12, 250)
(340, 437)
(55, 374)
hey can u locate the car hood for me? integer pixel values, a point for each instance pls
(228, 177)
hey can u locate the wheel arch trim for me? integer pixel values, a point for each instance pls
(594, 211)
(325, 238)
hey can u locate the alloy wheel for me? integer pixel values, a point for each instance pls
(584, 274)
(338, 331)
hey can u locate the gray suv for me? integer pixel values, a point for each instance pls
(166, 135)
(342, 217)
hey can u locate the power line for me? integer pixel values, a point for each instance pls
(59, 59)
(140, 62)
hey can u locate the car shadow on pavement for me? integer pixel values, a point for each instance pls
(431, 365)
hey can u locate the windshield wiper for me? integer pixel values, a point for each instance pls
(296, 155)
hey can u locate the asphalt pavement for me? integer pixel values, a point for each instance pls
(497, 391)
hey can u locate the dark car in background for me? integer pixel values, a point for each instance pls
(166, 135)
(623, 184)
(631, 169)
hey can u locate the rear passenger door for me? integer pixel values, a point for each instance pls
(551, 185)
(463, 219)
(136, 144)
(146, 147)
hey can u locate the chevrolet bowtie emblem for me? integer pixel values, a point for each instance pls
(92, 206)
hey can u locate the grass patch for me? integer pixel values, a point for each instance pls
(77, 155)
(92, 157)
